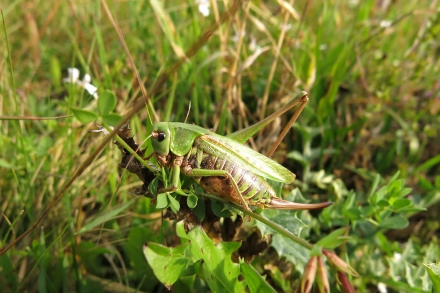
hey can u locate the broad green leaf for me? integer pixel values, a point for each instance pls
(395, 222)
(111, 119)
(334, 239)
(106, 102)
(218, 266)
(84, 116)
(168, 263)
(433, 270)
(256, 283)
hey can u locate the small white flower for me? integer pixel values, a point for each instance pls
(73, 77)
(322, 47)
(203, 7)
(382, 288)
(353, 3)
(285, 26)
(397, 256)
(253, 46)
(237, 36)
(385, 23)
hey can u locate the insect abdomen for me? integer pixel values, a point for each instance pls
(253, 188)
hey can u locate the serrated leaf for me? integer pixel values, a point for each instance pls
(83, 116)
(289, 221)
(168, 263)
(434, 274)
(334, 239)
(396, 222)
(111, 119)
(292, 251)
(106, 102)
(256, 283)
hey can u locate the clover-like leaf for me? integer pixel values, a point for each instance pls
(106, 102)
(84, 116)
(111, 119)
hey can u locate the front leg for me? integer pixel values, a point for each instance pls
(177, 162)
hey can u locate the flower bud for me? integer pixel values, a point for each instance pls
(339, 264)
(345, 282)
(309, 275)
(322, 278)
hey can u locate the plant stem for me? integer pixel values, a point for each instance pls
(263, 220)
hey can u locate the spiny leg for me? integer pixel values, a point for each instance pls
(221, 173)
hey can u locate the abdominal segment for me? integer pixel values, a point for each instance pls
(254, 189)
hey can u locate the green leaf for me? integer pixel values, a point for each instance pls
(334, 239)
(199, 210)
(111, 119)
(220, 271)
(168, 263)
(191, 200)
(174, 204)
(106, 102)
(289, 221)
(5, 164)
(90, 254)
(256, 283)
(8, 278)
(220, 210)
(84, 116)
(292, 251)
(396, 222)
(434, 274)
(401, 203)
(162, 201)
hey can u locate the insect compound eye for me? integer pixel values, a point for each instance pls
(161, 136)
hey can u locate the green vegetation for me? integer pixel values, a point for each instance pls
(368, 141)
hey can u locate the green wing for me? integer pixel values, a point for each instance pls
(257, 163)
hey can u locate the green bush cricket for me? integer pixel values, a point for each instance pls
(222, 165)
